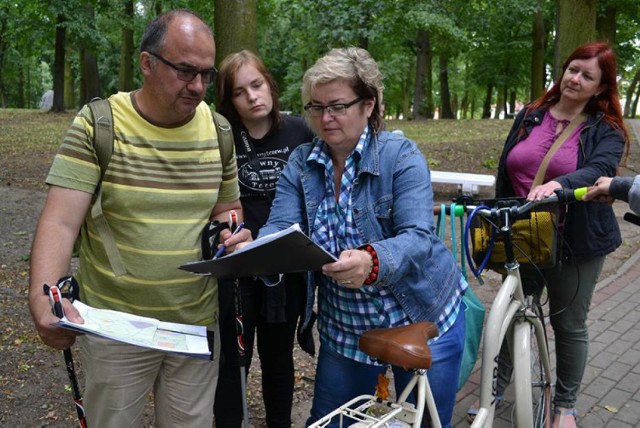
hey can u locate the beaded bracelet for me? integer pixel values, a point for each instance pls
(375, 266)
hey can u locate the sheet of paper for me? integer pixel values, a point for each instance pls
(287, 251)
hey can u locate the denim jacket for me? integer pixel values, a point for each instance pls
(591, 229)
(392, 203)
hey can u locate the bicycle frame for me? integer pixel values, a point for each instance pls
(400, 410)
(510, 314)
(511, 317)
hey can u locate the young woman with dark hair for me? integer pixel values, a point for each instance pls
(264, 138)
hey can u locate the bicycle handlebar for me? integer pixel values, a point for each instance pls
(509, 208)
(563, 196)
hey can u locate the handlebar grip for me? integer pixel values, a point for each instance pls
(632, 218)
(580, 192)
(566, 196)
(457, 212)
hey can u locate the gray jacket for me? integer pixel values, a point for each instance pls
(627, 189)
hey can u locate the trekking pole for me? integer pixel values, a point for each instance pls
(56, 303)
(241, 350)
(237, 297)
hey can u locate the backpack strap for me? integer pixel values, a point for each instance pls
(103, 138)
(103, 133)
(225, 137)
(542, 169)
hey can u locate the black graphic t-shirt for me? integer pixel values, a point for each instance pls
(258, 185)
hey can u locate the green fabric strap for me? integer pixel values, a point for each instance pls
(225, 137)
(542, 170)
(103, 136)
(441, 227)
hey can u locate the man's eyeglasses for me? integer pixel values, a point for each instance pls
(317, 110)
(187, 74)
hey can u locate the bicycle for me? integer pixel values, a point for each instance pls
(514, 315)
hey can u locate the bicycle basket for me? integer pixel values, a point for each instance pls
(535, 239)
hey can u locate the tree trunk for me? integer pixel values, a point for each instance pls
(20, 90)
(58, 66)
(422, 44)
(634, 105)
(235, 25)
(455, 105)
(499, 104)
(428, 104)
(512, 103)
(89, 74)
(575, 25)
(464, 105)
(445, 94)
(69, 91)
(472, 106)
(405, 107)
(486, 108)
(90, 87)
(606, 24)
(3, 51)
(628, 111)
(537, 55)
(28, 83)
(127, 50)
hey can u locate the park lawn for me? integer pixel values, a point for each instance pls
(29, 140)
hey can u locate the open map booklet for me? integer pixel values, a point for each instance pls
(189, 340)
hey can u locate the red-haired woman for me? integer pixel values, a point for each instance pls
(587, 89)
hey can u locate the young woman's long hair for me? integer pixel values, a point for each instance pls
(226, 80)
(608, 101)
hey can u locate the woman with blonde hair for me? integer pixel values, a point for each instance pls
(365, 196)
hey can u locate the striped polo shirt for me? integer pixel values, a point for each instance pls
(158, 192)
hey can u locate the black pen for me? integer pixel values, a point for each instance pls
(222, 247)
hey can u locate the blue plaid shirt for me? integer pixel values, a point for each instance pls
(347, 313)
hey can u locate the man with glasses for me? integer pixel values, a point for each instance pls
(164, 181)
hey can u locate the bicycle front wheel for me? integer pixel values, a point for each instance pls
(531, 374)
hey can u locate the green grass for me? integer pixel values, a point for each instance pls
(31, 129)
(28, 141)
(471, 146)
(30, 138)
(453, 131)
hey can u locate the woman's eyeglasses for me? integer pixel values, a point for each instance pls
(187, 74)
(317, 110)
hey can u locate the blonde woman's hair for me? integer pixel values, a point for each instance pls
(354, 66)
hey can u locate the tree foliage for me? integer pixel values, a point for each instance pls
(462, 58)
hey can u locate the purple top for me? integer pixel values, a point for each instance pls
(525, 158)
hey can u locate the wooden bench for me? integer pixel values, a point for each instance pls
(467, 183)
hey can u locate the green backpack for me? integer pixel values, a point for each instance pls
(103, 136)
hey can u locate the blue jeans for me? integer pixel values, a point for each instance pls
(340, 379)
